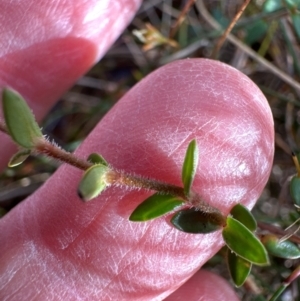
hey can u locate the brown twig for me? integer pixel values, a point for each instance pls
(228, 29)
(269, 66)
(276, 230)
(181, 17)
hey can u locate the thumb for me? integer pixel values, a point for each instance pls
(62, 247)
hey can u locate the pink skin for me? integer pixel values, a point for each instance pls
(54, 247)
(47, 45)
(207, 284)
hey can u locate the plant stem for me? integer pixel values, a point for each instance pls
(115, 177)
(45, 147)
(42, 146)
(179, 20)
(269, 66)
(228, 29)
(277, 231)
(134, 181)
(293, 276)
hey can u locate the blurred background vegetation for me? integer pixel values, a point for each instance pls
(264, 44)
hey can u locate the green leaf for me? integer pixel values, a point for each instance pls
(19, 157)
(155, 206)
(243, 215)
(244, 243)
(296, 23)
(193, 220)
(239, 268)
(19, 119)
(282, 249)
(292, 4)
(295, 190)
(93, 182)
(255, 31)
(97, 159)
(190, 166)
(272, 5)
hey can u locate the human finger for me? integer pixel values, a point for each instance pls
(47, 45)
(92, 250)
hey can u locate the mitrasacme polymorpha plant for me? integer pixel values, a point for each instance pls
(191, 213)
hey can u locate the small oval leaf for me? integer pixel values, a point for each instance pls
(243, 215)
(19, 119)
(155, 206)
(97, 159)
(93, 182)
(244, 243)
(295, 190)
(239, 268)
(190, 166)
(193, 220)
(19, 157)
(282, 249)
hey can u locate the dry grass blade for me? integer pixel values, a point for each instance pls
(286, 78)
(181, 17)
(229, 28)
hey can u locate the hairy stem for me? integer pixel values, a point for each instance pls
(47, 148)
(194, 199)
(135, 181)
(42, 146)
